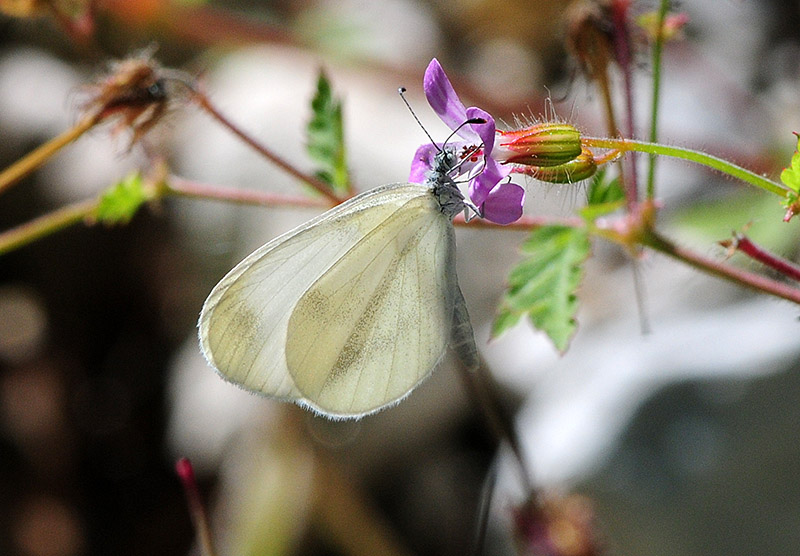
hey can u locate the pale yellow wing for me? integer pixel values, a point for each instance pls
(243, 324)
(376, 323)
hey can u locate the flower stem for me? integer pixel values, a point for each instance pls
(697, 157)
(743, 243)
(182, 187)
(46, 225)
(311, 180)
(197, 510)
(41, 154)
(739, 276)
(657, 48)
(623, 52)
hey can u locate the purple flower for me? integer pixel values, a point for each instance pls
(498, 202)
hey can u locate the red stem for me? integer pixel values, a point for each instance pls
(730, 273)
(185, 471)
(785, 267)
(311, 180)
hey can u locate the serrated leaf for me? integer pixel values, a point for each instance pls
(325, 134)
(790, 175)
(120, 202)
(543, 285)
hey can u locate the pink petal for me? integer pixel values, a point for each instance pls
(444, 100)
(504, 204)
(485, 131)
(422, 163)
(481, 185)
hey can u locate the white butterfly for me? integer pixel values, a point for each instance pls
(349, 312)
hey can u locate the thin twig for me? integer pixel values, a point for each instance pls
(46, 225)
(733, 274)
(311, 180)
(178, 186)
(744, 244)
(41, 154)
(656, 96)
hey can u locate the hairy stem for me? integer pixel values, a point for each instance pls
(181, 187)
(623, 52)
(656, 241)
(744, 244)
(697, 157)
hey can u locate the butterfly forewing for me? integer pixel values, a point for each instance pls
(243, 325)
(376, 323)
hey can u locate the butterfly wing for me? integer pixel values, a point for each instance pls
(376, 323)
(244, 326)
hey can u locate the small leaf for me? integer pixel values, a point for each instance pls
(603, 197)
(543, 285)
(120, 202)
(602, 190)
(326, 137)
(791, 175)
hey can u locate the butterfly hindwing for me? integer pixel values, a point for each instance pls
(376, 323)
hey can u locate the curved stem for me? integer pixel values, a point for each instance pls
(311, 180)
(691, 155)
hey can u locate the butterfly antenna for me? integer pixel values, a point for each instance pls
(402, 92)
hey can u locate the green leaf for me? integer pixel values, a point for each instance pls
(120, 202)
(326, 137)
(603, 190)
(543, 285)
(791, 175)
(603, 197)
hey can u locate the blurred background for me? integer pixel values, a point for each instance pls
(682, 441)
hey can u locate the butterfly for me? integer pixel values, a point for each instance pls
(349, 312)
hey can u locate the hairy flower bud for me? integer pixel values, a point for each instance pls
(580, 168)
(542, 145)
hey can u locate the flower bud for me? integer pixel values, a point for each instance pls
(578, 169)
(542, 145)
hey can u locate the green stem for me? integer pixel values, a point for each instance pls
(697, 157)
(657, 47)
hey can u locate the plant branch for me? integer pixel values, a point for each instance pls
(181, 187)
(311, 180)
(622, 48)
(741, 242)
(656, 241)
(46, 225)
(691, 155)
(657, 49)
(41, 154)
